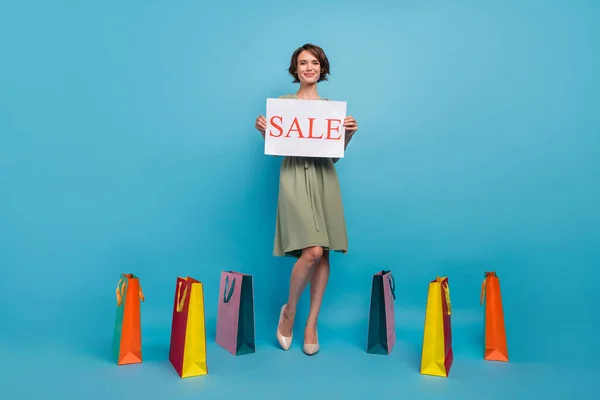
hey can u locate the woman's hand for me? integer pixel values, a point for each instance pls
(261, 125)
(350, 126)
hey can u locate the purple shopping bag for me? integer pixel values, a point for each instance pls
(382, 325)
(235, 317)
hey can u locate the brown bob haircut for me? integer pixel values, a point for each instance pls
(315, 51)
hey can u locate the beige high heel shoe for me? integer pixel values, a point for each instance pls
(284, 341)
(312, 348)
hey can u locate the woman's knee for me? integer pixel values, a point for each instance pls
(312, 255)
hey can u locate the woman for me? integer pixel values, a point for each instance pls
(310, 216)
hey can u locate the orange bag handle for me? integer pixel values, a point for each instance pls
(446, 292)
(483, 285)
(181, 299)
(120, 293)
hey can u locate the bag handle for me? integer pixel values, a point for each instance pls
(483, 285)
(227, 297)
(446, 289)
(181, 299)
(392, 283)
(448, 302)
(120, 292)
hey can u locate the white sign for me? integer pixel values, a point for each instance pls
(305, 128)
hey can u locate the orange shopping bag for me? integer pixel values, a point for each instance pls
(437, 355)
(495, 348)
(127, 337)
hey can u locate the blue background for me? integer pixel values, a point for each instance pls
(127, 144)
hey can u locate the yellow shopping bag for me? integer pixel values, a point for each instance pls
(437, 357)
(187, 351)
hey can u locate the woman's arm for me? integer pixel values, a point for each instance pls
(348, 139)
(351, 128)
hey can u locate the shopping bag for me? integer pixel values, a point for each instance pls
(127, 335)
(437, 356)
(382, 326)
(495, 347)
(235, 314)
(187, 352)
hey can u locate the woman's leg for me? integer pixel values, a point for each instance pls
(301, 275)
(318, 283)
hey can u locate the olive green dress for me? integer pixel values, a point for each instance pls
(309, 207)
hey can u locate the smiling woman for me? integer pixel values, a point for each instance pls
(309, 65)
(310, 215)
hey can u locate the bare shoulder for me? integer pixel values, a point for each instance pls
(286, 96)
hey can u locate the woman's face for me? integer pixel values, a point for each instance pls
(308, 68)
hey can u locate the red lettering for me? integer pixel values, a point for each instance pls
(297, 129)
(329, 129)
(310, 129)
(276, 126)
